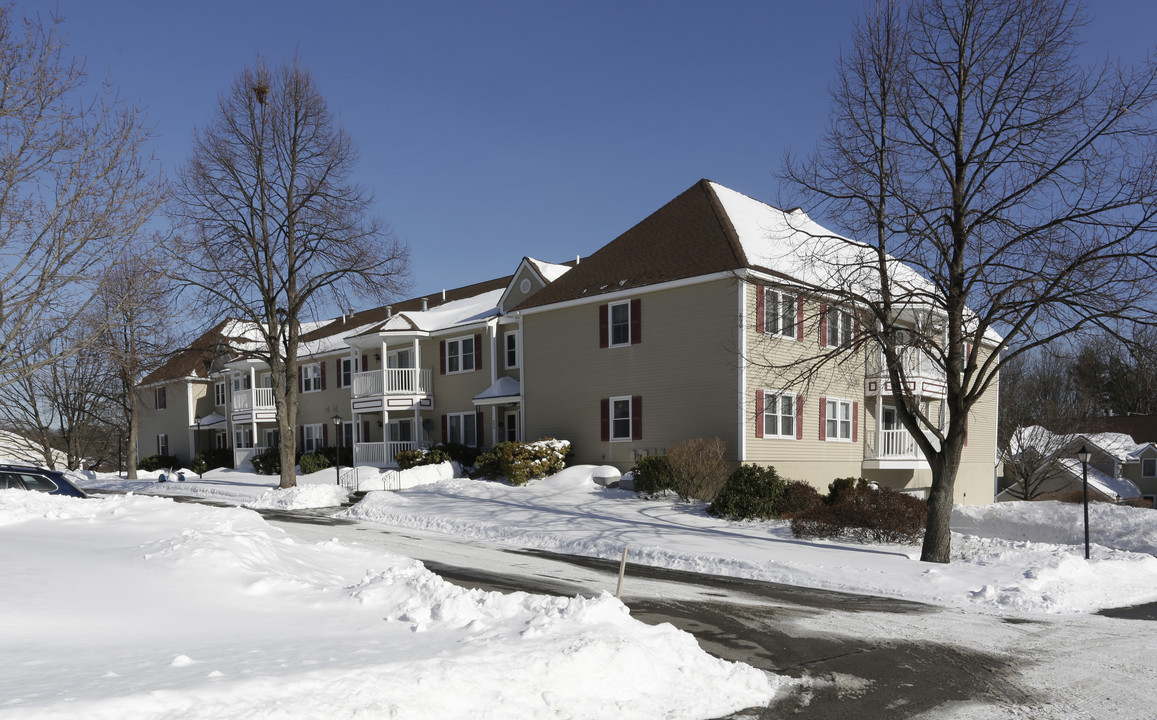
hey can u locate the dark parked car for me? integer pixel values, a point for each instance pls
(19, 477)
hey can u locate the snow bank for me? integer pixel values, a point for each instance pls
(146, 608)
(302, 497)
(1112, 526)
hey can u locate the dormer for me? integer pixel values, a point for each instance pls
(532, 275)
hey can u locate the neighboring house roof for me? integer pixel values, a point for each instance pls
(1118, 446)
(1118, 488)
(21, 450)
(1142, 428)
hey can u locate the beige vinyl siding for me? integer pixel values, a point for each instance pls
(454, 392)
(976, 479)
(182, 398)
(319, 407)
(684, 369)
(777, 363)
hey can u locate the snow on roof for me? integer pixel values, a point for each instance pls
(447, 315)
(1114, 487)
(791, 243)
(549, 271)
(1119, 446)
(504, 387)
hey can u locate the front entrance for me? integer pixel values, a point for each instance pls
(511, 432)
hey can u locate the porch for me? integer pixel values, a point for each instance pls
(392, 381)
(892, 450)
(382, 454)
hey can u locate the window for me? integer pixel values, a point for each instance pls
(1148, 467)
(622, 418)
(219, 393)
(272, 438)
(460, 355)
(241, 382)
(243, 438)
(511, 345)
(311, 378)
(345, 372)
(620, 323)
(779, 410)
(779, 313)
(221, 440)
(462, 428)
(838, 419)
(162, 444)
(312, 437)
(159, 401)
(839, 328)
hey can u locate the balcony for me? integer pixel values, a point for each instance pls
(924, 376)
(892, 450)
(382, 454)
(392, 381)
(253, 406)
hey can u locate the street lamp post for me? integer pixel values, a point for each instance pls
(1084, 456)
(337, 454)
(196, 437)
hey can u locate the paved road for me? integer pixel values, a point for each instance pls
(832, 675)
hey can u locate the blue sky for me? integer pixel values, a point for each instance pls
(490, 131)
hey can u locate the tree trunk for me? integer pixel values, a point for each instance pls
(937, 545)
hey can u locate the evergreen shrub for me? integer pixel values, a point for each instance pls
(652, 475)
(752, 492)
(521, 462)
(312, 462)
(158, 462)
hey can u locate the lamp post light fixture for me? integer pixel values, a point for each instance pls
(196, 436)
(337, 436)
(1084, 456)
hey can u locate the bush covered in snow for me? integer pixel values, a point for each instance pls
(408, 459)
(521, 462)
(751, 492)
(158, 462)
(865, 515)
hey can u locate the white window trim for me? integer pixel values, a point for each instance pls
(774, 433)
(342, 364)
(312, 438)
(829, 418)
(1153, 462)
(463, 419)
(160, 398)
(843, 317)
(789, 332)
(630, 418)
(219, 393)
(459, 342)
(311, 378)
(506, 338)
(611, 324)
(163, 444)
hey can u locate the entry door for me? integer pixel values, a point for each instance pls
(401, 431)
(890, 421)
(400, 359)
(512, 426)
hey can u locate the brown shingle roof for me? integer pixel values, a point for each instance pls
(192, 361)
(687, 237)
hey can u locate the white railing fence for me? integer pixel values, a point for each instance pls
(259, 399)
(392, 381)
(891, 444)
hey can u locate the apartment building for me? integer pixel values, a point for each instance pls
(706, 319)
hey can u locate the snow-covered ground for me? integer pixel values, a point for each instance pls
(130, 606)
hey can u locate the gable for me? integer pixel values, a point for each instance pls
(525, 282)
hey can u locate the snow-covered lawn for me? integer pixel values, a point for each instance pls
(131, 606)
(140, 607)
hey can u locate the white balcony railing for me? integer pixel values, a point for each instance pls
(381, 454)
(392, 381)
(243, 456)
(891, 444)
(257, 399)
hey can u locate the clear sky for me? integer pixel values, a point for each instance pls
(493, 130)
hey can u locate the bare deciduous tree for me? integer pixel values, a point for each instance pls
(967, 142)
(75, 188)
(275, 224)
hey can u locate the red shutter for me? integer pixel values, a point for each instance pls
(605, 417)
(324, 434)
(799, 319)
(823, 325)
(760, 311)
(636, 321)
(823, 418)
(322, 365)
(477, 352)
(603, 322)
(445, 428)
(799, 417)
(365, 363)
(300, 437)
(759, 413)
(855, 421)
(365, 430)
(479, 429)
(636, 417)
(442, 356)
